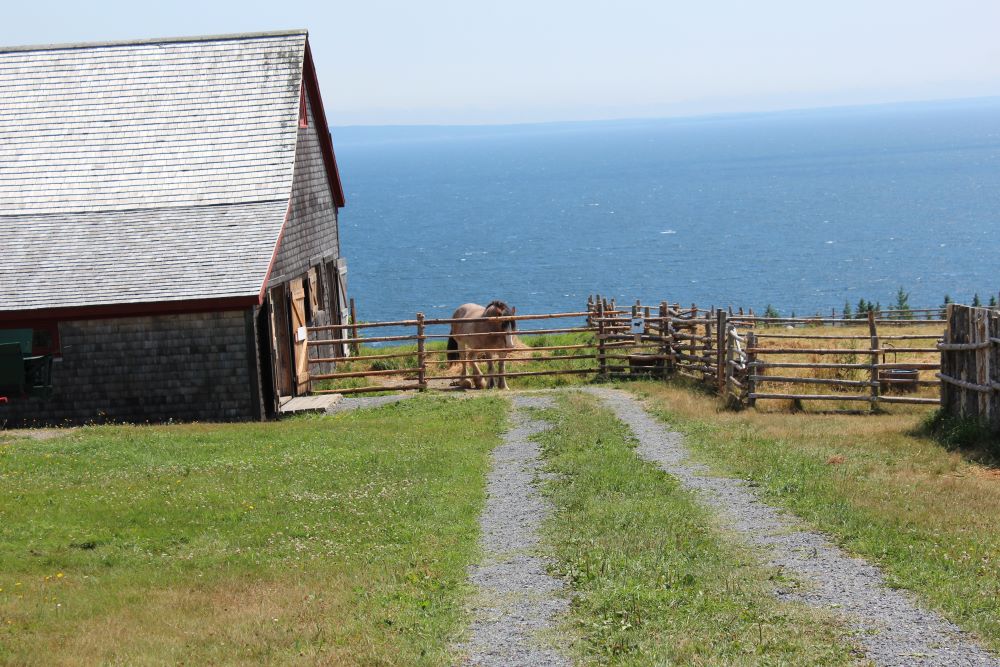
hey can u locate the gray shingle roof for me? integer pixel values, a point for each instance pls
(157, 170)
(63, 260)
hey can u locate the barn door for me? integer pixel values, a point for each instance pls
(282, 345)
(337, 272)
(300, 335)
(266, 360)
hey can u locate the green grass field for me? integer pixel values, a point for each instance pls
(346, 539)
(333, 540)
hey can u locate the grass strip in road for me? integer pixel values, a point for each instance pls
(316, 540)
(882, 490)
(655, 580)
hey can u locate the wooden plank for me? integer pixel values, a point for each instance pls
(367, 390)
(814, 397)
(917, 400)
(365, 373)
(791, 379)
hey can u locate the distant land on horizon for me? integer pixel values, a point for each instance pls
(442, 130)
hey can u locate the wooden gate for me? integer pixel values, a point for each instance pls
(297, 308)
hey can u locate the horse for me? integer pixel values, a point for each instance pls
(491, 338)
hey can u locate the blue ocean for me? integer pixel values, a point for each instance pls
(804, 210)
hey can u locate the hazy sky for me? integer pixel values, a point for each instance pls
(442, 61)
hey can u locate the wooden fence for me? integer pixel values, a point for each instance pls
(970, 365)
(884, 357)
(426, 365)
(837, 359)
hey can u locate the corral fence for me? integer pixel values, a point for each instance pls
(970, 365)
(883, 357)
(425, 363)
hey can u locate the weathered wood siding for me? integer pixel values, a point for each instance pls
(185, 367)
(310, 234)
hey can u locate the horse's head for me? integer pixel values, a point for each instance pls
(501, 309)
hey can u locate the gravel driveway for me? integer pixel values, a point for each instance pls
(516, 599)
(891, 628)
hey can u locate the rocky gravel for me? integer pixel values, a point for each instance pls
(516, 599)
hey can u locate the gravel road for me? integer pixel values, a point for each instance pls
(516, 598)
(891, 628)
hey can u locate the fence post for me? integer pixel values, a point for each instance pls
(730, 396)
(635, 313)
(665, 339)
(721, 344)
(752, 369)
(421, 353)
(873, 333)
(602, 362)
(947, 389)
(993, 378)
(355, 347)
(981, 324)
(706, 353)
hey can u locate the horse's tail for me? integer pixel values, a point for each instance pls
(452, 349)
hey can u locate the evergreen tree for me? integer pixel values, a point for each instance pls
(976, 301)
(903, 305)
(993, 301)
(944, 306)
(848, 313)
(771, 311)
(862, 309)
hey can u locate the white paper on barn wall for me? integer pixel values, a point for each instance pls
(300, 334)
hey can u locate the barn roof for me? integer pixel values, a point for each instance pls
(157, 170)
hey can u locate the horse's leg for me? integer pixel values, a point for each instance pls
(501, 362)
(490, 381)
(477, 372)
(469, 376)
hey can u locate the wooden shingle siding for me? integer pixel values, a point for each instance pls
(148, 125)
(181, 367)
(311, 231)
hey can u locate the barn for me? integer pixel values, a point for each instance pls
(168, 214)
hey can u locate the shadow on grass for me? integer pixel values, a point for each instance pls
(971, 438)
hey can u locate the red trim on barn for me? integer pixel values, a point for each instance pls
(274, 255)
(319, 115)
(14, 317)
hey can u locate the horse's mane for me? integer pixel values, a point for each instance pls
(498, 308)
